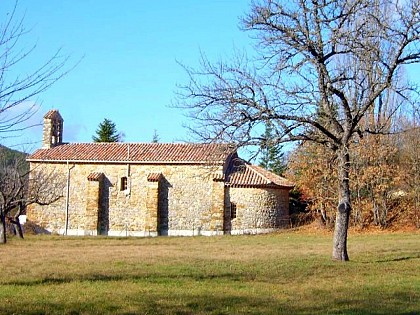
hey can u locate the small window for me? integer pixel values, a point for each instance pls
(123, 183)
(232, 210)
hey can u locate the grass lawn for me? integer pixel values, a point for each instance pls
(284, 273)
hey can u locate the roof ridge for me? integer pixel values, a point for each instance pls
(140, 152)
(283, 179)
(251, 166)
(149, 143)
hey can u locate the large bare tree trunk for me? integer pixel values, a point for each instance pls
(343, 209)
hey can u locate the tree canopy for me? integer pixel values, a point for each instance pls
(323, 69)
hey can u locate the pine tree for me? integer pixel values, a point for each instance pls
(272, 157)
(107, 132)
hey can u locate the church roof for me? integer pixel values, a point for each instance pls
(247, 175)
(116, 152)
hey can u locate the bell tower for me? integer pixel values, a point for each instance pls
(52, 134)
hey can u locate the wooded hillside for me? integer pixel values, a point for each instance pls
(9, 157)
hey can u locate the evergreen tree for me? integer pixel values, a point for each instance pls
(107, 132)
(272, 157)
(155, 138)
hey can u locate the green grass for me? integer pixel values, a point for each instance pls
(284, 273)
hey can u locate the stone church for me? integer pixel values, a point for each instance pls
(150, 189)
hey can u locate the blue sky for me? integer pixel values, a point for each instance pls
(129, 52)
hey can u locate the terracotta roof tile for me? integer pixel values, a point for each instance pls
(154, 177)
(247, 175)
(95, 176)
(135, 152)
(219, 178)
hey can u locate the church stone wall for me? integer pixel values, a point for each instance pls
(259, 210)
(186, 199)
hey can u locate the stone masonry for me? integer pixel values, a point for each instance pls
(196, 201)
(121, 189)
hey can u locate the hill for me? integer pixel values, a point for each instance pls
(9, 157)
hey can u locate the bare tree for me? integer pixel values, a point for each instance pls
(321, 67)
(15, 195)
(17, 106)
(16, 90)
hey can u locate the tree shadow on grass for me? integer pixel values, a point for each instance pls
(398, 259)
(391, 259)
(183, 303)
(164, 294)
(97, 277)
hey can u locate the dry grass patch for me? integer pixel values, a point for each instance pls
(289, 272)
